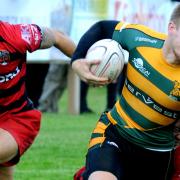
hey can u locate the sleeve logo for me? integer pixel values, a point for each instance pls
(26, 33)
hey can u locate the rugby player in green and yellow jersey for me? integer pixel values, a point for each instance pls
(135, 139)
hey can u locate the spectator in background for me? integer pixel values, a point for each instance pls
(54, 85)
(35, 76)
(111, 96)
(56, 79)
(19, 120)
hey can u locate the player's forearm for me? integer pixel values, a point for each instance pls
(52, 37)
(64, 43)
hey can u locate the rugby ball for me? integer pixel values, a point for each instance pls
(111, 56)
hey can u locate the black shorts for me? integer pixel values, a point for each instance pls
(126, 160)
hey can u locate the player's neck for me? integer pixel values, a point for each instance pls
(169, 55)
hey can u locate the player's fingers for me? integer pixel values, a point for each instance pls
(93, 62)
(97, 83)
(93, 78)
(98, 79)
(83, 79)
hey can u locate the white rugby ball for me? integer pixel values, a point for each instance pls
(111, 56)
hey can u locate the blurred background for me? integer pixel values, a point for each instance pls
(60, 148)
(76, 16)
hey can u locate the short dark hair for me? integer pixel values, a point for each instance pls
(175, 16)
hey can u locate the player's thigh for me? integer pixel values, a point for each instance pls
(23, 127)
(8, 146)
(148, 165)
(107, 159)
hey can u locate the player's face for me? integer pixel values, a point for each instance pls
(174, 32)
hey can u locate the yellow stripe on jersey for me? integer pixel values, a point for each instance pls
(145, 110)
(95, 141)
(113, 121)
(150, 88)
(119, 26)
(142, 28)
(151, 54)
(127, 119)
(100, 128)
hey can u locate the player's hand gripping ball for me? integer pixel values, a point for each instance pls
(111, 55)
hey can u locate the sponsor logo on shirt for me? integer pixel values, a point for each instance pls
(35, 33)
(150, 102)
(30, 33)
(175, 93)
(9, 76)
(140, 39)
(26, 33)
(138, 62)
(4, 57)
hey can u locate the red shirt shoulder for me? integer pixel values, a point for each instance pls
(22, 37)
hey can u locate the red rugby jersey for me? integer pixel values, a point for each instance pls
(15, 41)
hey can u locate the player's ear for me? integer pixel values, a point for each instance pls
(171, 27)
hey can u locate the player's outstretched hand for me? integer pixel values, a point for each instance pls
(82, 68)
(177, 132)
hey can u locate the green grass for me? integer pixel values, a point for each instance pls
(61, 146)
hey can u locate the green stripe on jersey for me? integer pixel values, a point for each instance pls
(95, 135)
(136, 38)
(148, 101)
(160, 139)
(145, 69)
(136, 117)
(104, 119)
(117, 117)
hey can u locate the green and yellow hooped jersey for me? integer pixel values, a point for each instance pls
(150, 101)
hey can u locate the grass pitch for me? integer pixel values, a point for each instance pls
(61, 146)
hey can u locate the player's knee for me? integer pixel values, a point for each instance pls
(97, 175)
(8, 146)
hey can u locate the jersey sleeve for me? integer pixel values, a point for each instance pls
(100, 30)
(131, 36)
(123, 36)
(22, 37)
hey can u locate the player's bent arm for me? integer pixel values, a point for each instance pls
(100, 30)
(52, 37)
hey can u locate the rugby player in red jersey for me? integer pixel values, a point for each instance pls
(19, 121)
